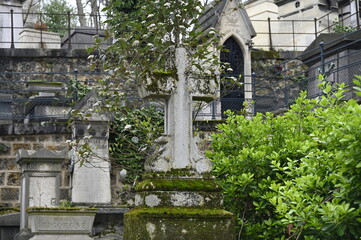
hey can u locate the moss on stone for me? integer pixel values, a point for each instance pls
(176, 173)
(204, 185)
(257, 55)
(44, 82)
(181, 212)
(178, 224)
(159, 74)
(167, 199)
(7, 210)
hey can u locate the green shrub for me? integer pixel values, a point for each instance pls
(134, 131)
(295, 176)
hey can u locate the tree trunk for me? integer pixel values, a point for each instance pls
(94, 12)
(80, 9)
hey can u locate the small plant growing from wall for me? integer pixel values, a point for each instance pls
(339, 27)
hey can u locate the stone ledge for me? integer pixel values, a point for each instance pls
(8, 210)
(36, 53)
(204, 200)
(34, 128)
(204, 185)
(181, 213)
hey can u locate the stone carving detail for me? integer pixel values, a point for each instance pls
(232, 15)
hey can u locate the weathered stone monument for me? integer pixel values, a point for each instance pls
(40, 182)
(61, 223)
(178, 198)
(41, 218)
(91, 178)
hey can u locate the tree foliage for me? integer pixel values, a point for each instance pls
(295, 176)
(133, 133)
(146, 35)
(55, 16)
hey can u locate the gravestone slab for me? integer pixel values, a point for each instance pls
(91, 177)
(40, 182)
(31, 38)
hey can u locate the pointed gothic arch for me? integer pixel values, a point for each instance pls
(232, 95)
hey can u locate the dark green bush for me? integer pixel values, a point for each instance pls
(133, 133)
(295, 176)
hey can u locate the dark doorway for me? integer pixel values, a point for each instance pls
(232, 94)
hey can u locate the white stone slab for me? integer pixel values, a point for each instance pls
(31, 38)
(91, 177)
(91, 181)
(42, 192)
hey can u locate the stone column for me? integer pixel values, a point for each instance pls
(40, 182)
(178, 198)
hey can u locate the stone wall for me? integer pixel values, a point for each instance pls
(43, 60)
(21, 65)
(279, 78)
(32, 137)
(43, 64)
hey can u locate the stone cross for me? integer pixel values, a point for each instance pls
(178, 181)
(179, 150)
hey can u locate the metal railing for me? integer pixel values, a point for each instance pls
(297, 34)
(37, 34)
(272, 34)
(234, 99)
(43, 96)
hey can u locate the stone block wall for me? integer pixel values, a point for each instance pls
(279, 78)
(33, 138)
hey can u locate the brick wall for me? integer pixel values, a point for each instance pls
(10, 171)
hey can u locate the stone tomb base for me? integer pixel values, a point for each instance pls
(61, 224)
(178, 224)
(178, 207)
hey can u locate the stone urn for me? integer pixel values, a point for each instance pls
(61, 223)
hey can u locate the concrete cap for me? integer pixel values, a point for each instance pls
(41, 155)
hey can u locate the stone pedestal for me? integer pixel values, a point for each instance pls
(40, 182)
(179, 224)
(178, 198)
(61, 224)
(179, 207)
